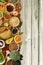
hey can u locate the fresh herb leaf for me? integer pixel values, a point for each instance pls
(15, 55)
(1, 56)
(2, 0)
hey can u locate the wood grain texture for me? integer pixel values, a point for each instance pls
(34, 32)
(41, 33)
(32, 16)
(26, 18)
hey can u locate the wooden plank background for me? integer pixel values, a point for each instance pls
(41, 33)
(34, 32)
(32, 17)
(26, 18)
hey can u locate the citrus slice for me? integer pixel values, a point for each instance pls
(14, 21)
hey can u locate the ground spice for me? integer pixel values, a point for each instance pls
(7, 16)
(5, 49)
(13, 46)
(10, 8)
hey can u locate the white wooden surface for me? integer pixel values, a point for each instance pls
(34, 32)
(32, 17)
(41, 33)
(26, 18)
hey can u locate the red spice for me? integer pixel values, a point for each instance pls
(4, 53)
(10, 8)
(3, 19)
(7, 0)
(5, 49)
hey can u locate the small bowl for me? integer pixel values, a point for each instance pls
(15, 31)
(12, 46)
(7, 16)
(9, 7)
(3, 44)
(2, 62)
(16, 40)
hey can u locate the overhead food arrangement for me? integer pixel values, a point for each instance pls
(10, 32)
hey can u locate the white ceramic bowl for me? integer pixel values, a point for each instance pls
(11, 5)
(3, 44)
(2, 62)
